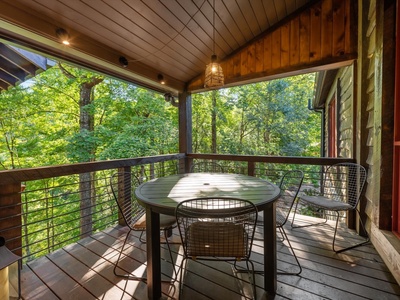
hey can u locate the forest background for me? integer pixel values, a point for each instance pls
(68, 115)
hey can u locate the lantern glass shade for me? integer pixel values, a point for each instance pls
(214, 76)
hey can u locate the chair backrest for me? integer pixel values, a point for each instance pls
(344, 182)
(123, 185)
(206, 166)
(290, 185)
(217, 228)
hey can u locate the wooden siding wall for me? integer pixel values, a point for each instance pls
(346, 111)
(376, 103)
(372, 108)
(323, 34)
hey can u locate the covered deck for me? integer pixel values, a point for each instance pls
(83, 270)
(309, 36)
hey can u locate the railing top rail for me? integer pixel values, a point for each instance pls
(273, 159)
(21, 175)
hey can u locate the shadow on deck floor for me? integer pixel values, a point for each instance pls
(84, 271)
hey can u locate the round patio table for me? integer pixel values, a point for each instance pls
(162, 195)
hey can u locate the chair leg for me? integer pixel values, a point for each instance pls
(182, 268)
(126, 276)
(308, 225)
(141, 237)
(354, 246)
(252, 273)
(282, 230)
(166, 234)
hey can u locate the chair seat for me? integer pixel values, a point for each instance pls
(165, 222)
(216, 239)
(325, 202)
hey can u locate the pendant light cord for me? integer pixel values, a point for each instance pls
(213, 26)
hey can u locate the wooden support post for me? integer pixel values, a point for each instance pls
(10, 216)
(185, 126)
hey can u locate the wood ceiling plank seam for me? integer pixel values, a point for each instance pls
(16, 59)
(6, 77)
(188, 31)
(112, 30)
(327, 29)
(12, 70)
(131, 22)
(89, 29)
(155, 64)
(259, 11)
(271, 12)
(304, 37)
(239, 16)
(338, 27)
(182, 55)
(285, 45)
(204, 19)
(224, 30)
(202, 22)
(233, 26)
(184, 64)
(251, 19)
(187, 50)
(315, 32)
(350, 46)
(300, 3)
(72, 19)
(294, 41)
(266, 16)
(177, 15)
(3, 86)
(280, 9)
(290, 6)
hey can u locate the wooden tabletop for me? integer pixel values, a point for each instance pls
(164, 193)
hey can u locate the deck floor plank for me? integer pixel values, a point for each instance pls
(84, 270)
(33, 287)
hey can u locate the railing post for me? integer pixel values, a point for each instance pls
(10, 216)
(251, 165)
(124, 191)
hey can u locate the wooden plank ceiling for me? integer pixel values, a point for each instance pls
(174, 38)
(17, 65)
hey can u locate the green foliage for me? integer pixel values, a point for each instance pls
(266, 118)
(40, 125)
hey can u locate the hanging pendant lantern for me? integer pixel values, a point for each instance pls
(214, 75)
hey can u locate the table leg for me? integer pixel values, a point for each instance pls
(153, 254)
(270, 264)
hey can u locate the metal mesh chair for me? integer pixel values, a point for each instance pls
(206, 166)
(290, 185)
(123, 185)
(341, 191)
(217, 229)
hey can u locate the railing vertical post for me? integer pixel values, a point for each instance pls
(152, 176)
(124, 191)
(251, 165)
(185, 127)
(10, 216)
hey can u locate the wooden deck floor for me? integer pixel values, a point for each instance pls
(84, 271)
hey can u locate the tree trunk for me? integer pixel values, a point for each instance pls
(214, 122)
(86, 184)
